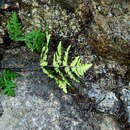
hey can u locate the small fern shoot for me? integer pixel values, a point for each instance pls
(14, 28)
(35, 40)
(6, 84)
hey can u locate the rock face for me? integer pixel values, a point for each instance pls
(125, 97)
(39, 104)
(1, 35)
(109, 123)
(98, 31)
(111, 29)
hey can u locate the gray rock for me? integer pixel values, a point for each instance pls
(39, 105)
(107, 102)
(125, 97)
(67, 4)
(1, 109)
(108, 123)
(2, 33)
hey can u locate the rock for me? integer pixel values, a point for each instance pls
(2, 33)
(67, 4)
(1, 109)
(97, 26)
(5, 4)
(61, 23)
(111, 18)
(108, 123)
(125, 97)
(106, 102)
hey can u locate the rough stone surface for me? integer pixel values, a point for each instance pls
(125, 97)
(107, 102)
(68, 4)
(2, 33)
(1, 109)
(107, 122)
(38, 103)
(99, 33)
(111, 29)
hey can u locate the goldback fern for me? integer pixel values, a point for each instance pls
(58, 61)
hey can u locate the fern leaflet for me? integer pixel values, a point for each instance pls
(78, 68)
(67, 67)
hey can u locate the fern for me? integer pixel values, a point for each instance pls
(14, 28)
(75, 67)
(6, 83)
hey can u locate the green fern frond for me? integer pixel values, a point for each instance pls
(6, 83)
(49, 72)
(36, 41)
(14, 28)
(76, 66)
(58, 54)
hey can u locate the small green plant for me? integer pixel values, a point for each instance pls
(14, 28)
(35, 40)
(6, 84)
(75, 68)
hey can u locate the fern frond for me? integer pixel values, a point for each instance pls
(14, 28)
(6, 83)
(60, 83)
(59, 54)
(76, 66)
(49, 72)
(67, 67)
